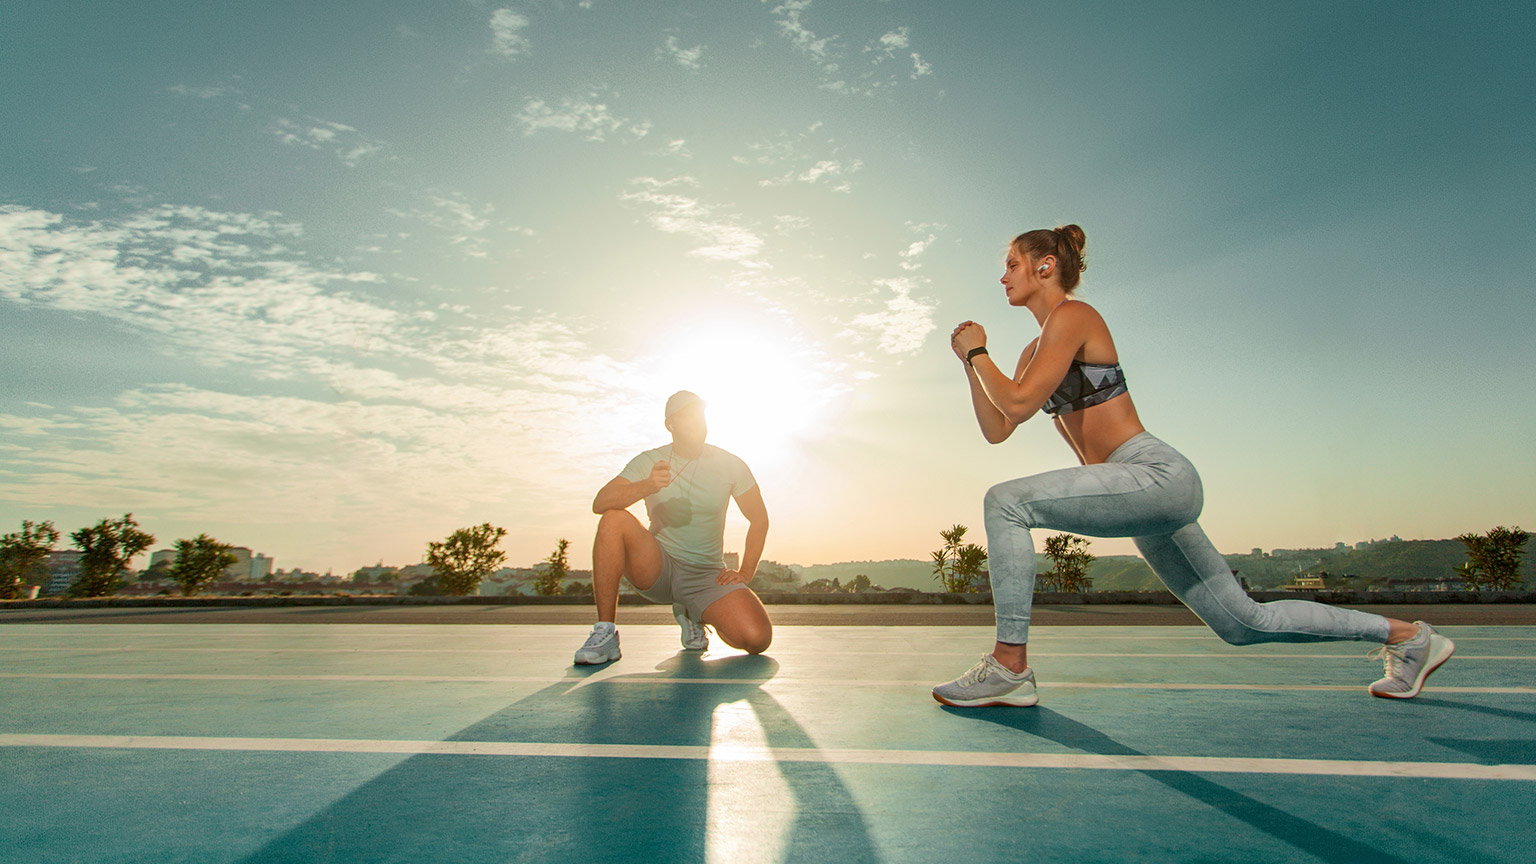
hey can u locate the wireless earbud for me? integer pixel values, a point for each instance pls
(1042, 268)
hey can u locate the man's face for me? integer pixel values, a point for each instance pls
(688, 424)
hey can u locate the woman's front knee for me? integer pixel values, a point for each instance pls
(1004, 500)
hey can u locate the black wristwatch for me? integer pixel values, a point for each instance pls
(969, 355)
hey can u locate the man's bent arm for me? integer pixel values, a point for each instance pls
(620, 494)
(751, 505)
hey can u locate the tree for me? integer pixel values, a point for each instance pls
(958, 565)
(24, 557)
(1070, 556)
(555, 568)
(574, 589)
(1495, 558)
(108, 546)
(859, 585)
(198, 562)
(466, 557)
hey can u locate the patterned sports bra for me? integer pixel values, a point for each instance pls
(1086, 385)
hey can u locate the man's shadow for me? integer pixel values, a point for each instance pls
(1305, 836)
(497, 808)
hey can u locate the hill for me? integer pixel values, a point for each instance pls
(1372, 565)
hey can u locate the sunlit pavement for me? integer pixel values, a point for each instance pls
(329, 742)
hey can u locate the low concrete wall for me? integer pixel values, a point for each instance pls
(1044, 598)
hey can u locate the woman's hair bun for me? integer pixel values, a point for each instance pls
(1071, 241)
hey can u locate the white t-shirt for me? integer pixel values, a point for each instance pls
(688, 515)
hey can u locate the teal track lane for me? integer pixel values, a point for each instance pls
(335, 743)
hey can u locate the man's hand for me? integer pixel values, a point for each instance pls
(732, 577)
(661, 476)
(967, 336)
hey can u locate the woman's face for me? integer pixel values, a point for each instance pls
(1018, 276)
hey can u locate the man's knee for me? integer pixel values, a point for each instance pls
(615, 522)
(755, 639)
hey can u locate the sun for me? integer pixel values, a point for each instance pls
(768, 387)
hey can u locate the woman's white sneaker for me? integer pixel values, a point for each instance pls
(1409, 662)
(989, 683)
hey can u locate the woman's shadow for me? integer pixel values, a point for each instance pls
(1305, 836)
(499, 808)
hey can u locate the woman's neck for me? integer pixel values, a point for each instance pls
(1045, 302)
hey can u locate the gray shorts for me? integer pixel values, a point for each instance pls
(692, 585)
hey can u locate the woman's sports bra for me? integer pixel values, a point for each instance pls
(1086, 385)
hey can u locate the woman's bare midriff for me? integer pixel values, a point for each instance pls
(1096, 432)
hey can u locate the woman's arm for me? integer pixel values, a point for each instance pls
(1017, 400)
(994, 426)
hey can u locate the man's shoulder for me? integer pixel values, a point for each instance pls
(654, 454)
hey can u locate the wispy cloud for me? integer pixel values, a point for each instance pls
(348, 144)
(688, 58)
(828, 171)
(829, 55)
(469, 227)
(593, 120)
(507, 37)
(673, 211)
(902, 323)
(197, 92)
(793, 148)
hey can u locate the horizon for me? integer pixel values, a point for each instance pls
(313, 279)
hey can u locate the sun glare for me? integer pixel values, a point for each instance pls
(767, 389)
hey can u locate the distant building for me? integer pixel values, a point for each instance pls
(248, 566)
(262, 568)
(63, 570)
(732, 561)
(1306, 582)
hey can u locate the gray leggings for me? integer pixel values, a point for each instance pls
(1147, 491)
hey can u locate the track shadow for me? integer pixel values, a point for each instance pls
(503, 809)
(1305, 836)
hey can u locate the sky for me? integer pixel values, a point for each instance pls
(331, 280)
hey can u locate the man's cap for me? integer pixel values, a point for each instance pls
(680, 400)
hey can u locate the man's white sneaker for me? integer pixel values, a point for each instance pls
(602, 646)
(1409, 662)
(695, 637)
(989, 683)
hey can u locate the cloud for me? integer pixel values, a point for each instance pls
(197, 92)
(673, 212)
(802, 37)
(824, 171)
(507, 38)
(467, 226)
(592, 119)
(902, 324)
(792, 148)
(348, 145)
(688, 58)
(839, 75)
(909, 257)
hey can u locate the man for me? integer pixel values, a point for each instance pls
(680, 559)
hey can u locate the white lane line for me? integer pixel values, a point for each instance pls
(560, 652)
(622, 678)
(738, 753)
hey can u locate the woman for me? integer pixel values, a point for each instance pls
(1129, 484)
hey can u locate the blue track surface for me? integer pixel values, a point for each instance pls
(321, 743)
